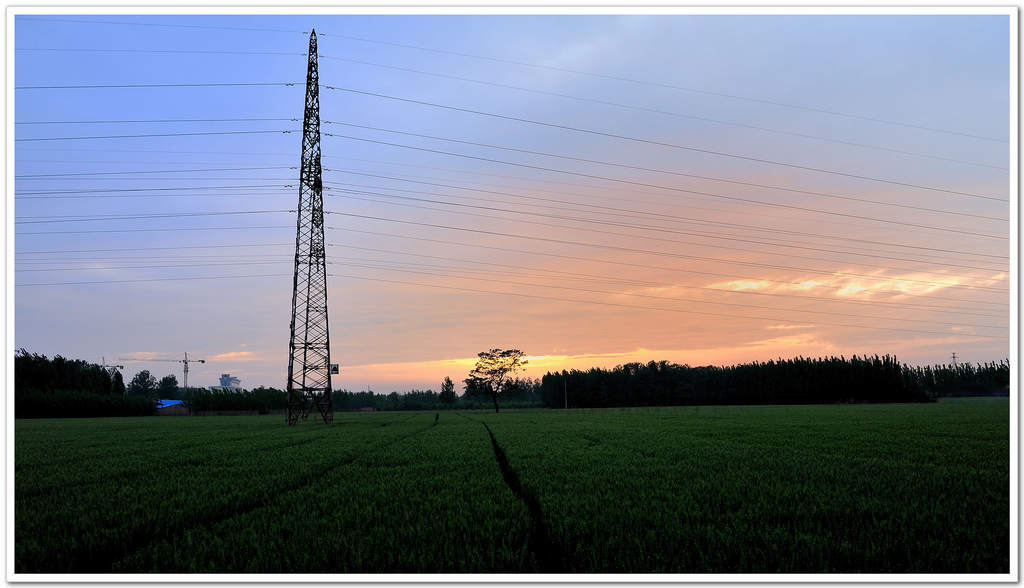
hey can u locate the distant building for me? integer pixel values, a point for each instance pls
(228, 381)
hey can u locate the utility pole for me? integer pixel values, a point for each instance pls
(309, 345)
(954, 360)
(565, 389)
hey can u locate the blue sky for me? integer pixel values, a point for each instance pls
(941, 72)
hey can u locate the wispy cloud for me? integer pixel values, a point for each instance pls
(236, 356)
(739, 285)
(845, 286)
(144, 355)
(788, 327)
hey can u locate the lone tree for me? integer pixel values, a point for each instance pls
(447, 395)
(168, 386)
(495, 367)
(143, 384)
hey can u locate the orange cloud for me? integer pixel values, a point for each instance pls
(912, 284)
(739, 285)
(235, 356)
(144, 355)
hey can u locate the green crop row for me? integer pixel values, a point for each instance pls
(839, 488)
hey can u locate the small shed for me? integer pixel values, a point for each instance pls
(171, 408)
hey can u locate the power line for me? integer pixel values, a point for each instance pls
(660, 253)
(616, 209)
(617, 199)
(178, 85)
(557, 192)
(153, 230)
(670, 172)
(220, 277)
(688, 243)
(879, 303)
(684, 219)
(663, 230)
(151, 248)
(548, 67)
(701, 224)
(150, 120)
(165, 171)
(661, 143)
(522, 89)
(147, 216)
(153, 135)
(613, 262)
(150, 24)
(957, 310)
(671, 188)
(593, 277)
(103, 190)
(164, 196)
(663, 112)
(188, 265)
(402, 179)
(523, 295)
(166, 51)
(163, 179)
(692, 300)
(148, 258)
(587, 290)
(673, 87)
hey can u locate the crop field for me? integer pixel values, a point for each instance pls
(837, 488)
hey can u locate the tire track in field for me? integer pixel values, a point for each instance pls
(550, 557)
(245, 507)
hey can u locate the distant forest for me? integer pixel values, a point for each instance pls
(56, 387)
(784, 381)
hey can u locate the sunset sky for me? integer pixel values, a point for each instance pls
(471, 231)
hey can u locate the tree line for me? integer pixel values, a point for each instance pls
(784, 381)
(63, 387)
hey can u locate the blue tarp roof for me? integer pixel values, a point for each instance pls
(166, 403)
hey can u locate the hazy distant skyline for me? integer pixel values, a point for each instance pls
(412, 303)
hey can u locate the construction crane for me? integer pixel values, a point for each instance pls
(105, 365)
(184, 363)
(111, 369)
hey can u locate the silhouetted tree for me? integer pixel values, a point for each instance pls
(494, 367)
(117, 384)
(168, 387)
(62, 387)
(143, 384)
(447, 395)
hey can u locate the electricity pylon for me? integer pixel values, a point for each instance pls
(309, 347)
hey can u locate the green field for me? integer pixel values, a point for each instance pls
(837, 488)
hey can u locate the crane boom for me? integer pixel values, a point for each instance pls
(184, 363)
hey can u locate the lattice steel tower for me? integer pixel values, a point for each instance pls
(309, 358)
